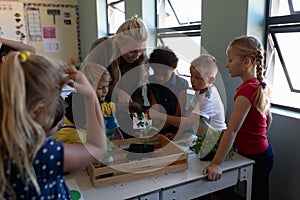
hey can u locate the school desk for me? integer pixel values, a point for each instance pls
(186, 184)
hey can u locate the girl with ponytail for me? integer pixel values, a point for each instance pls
(32, 164)
(250, 117)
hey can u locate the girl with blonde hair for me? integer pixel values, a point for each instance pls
(32, 165)
(250, 117)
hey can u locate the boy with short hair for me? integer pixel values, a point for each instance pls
(209, 107)
(166, 88)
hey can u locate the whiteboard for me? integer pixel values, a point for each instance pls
(13, 27)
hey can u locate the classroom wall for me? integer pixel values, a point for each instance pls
(88, 24)
(56, 36)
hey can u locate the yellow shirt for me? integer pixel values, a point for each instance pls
(69, 134)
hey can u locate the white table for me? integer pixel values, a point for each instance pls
(191, 183)
(141, 189)
(186, 184)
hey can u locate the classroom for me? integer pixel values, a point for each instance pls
(65, 30)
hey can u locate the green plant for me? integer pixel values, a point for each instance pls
(148, 132)
(208, 143)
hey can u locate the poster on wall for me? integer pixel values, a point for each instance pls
(13, 27)
(34, 24)
(49, 32)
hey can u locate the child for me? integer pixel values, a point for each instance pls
(250, 117)
(58, 120)
(166, 88)
(73, 129)
(7, 46)
(33, 166)
(209, 106)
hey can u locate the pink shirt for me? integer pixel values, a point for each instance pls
(251, 138)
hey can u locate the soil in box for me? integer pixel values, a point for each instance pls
(140, 151)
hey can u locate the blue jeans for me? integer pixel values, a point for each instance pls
(261, 170)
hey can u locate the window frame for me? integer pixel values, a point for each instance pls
(107, 17)
(282, 24)
(191, 29)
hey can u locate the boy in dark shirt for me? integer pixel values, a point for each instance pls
(165, 87)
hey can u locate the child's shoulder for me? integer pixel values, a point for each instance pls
(180, 80)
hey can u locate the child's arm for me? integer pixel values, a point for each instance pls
(118, 134)
(151, 96)
(17, 45)
(240, 110)
(182, 103)
(269, 119)
(182, 122)
(80, 155)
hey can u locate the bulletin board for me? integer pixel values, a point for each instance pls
(53, 29)
(12, 23)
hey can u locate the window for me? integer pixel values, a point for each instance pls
(179, 24)
(116, 15)
(283, 41)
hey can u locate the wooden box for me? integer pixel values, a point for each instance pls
(167, 157)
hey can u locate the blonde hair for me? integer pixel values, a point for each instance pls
(95, 73)
(96, 42)
(106, 52)
(133, 28)
(207, 64)
(247, 46)
(23, 84)
(136, 29)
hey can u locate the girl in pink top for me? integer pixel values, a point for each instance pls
(250, 117)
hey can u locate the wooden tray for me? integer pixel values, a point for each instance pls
(167, 157)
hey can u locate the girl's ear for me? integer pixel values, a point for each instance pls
(3, 59)
(36, 111)
(247, 61)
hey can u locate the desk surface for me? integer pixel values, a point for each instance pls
(154, 184)
(123, 190)
(194, 171)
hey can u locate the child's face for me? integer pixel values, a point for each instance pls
(102, 89)
(198, 81)
(234, 63)
(162, 75)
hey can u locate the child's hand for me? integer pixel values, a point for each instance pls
(213, 172)
(135, 108)
(170, 136)
(78, 81)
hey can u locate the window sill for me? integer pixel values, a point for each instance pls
(285, 112)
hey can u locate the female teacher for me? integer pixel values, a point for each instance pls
(124, 56)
